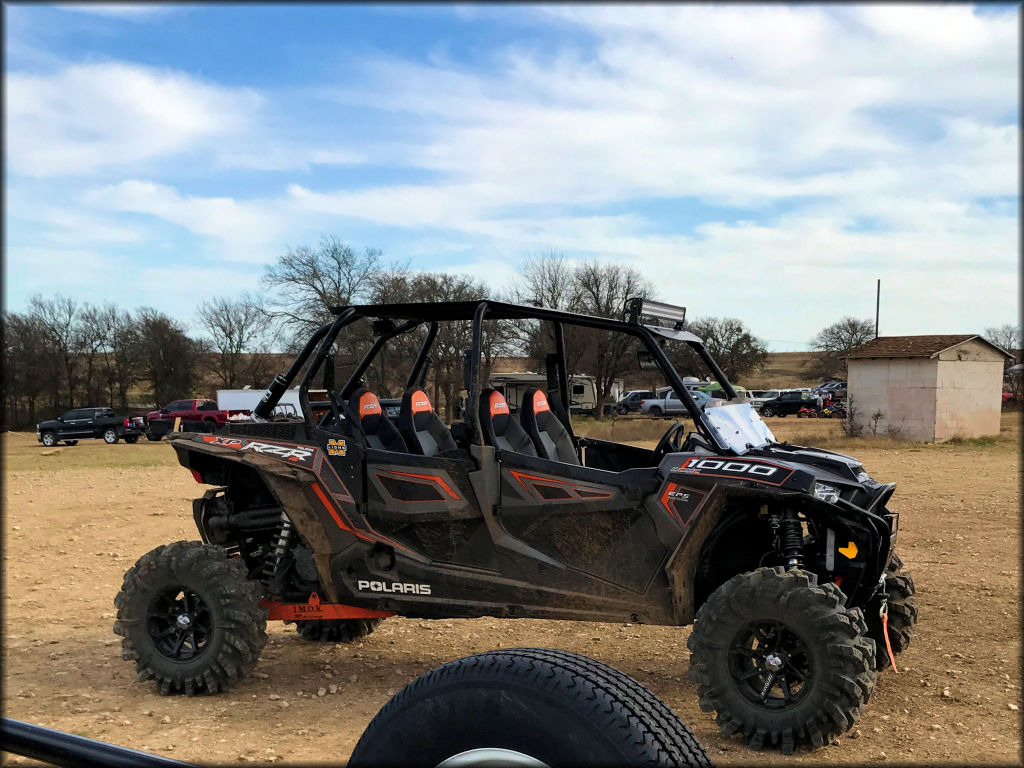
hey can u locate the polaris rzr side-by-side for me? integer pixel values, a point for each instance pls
(780, 555)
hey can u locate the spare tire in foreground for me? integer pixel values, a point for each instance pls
(527, 707)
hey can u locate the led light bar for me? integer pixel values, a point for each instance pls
(638, 307)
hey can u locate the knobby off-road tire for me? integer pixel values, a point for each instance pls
(110, 436)
(772, 619)
(899, 586)
(335, 630)
(555, 707)
(219, 641)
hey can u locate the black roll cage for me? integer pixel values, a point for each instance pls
(391, 320)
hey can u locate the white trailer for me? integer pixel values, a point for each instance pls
(582, 389)
(247, 399)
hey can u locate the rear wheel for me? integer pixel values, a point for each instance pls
(528, 707)
(70, 442)
(336, 630)
(131, 439)
(782, 659)
(209, 426)
(190, 618)
(110, 436)
(655, 411)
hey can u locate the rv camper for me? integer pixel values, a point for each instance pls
(582, 390)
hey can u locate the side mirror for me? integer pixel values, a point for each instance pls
(646, 360)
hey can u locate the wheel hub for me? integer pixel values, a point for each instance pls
(179, 624)
(770, 664)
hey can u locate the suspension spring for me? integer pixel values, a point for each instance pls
(281, 545)
(791, 539)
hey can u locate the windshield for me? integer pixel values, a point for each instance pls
(738, 427)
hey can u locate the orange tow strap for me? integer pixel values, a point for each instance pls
(888, 646)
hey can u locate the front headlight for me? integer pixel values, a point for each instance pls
(827, 493)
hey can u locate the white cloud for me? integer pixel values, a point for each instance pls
(87, 117)
(127, 11)
(243, 231)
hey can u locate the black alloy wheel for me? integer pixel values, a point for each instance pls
(179, 624)
(771, 664)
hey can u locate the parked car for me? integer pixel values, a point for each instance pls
(83, 423)
(759, 397)
(789, 402)
(665, 403)
(204, 413)
(631, 401)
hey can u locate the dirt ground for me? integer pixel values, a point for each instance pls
(75, 520)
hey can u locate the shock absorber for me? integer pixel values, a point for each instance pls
(283, 540)
(791, 539)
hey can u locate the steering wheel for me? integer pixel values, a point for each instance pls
(672, 440)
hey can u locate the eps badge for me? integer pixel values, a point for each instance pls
(336, 447)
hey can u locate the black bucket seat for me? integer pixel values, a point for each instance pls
(549, 435)
(498, 426)
(423, 430)
(380, 433)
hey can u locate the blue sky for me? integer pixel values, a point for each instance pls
(762, 162)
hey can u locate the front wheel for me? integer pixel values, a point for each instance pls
(110, 436)
(782, 659)
(621, 410)
(902, 607)
(49, 439)
(529, 707)
(767, 412)
(70, 442)
(190, 618)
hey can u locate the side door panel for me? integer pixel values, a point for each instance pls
(591, 521)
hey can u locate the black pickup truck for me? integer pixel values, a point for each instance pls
(80, 423)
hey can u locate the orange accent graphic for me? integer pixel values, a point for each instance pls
(540, 402)
(315, 609)
(670, 507)
(334, 513)
(496, 403)
(420, 402)
(369, 405)
(520, 476)
(432, 478)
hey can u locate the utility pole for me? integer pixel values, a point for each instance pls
(878, 298)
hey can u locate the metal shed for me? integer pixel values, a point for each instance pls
(929, 387)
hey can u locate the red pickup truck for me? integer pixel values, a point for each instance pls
(202, 413)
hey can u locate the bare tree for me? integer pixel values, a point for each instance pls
(30, 367)
(1010, 338)
(121, 353)
(736, 350)
(602, 290)
(306, 282)
(58, 319)
(835, 341)
(168, 357)
(236, 328)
